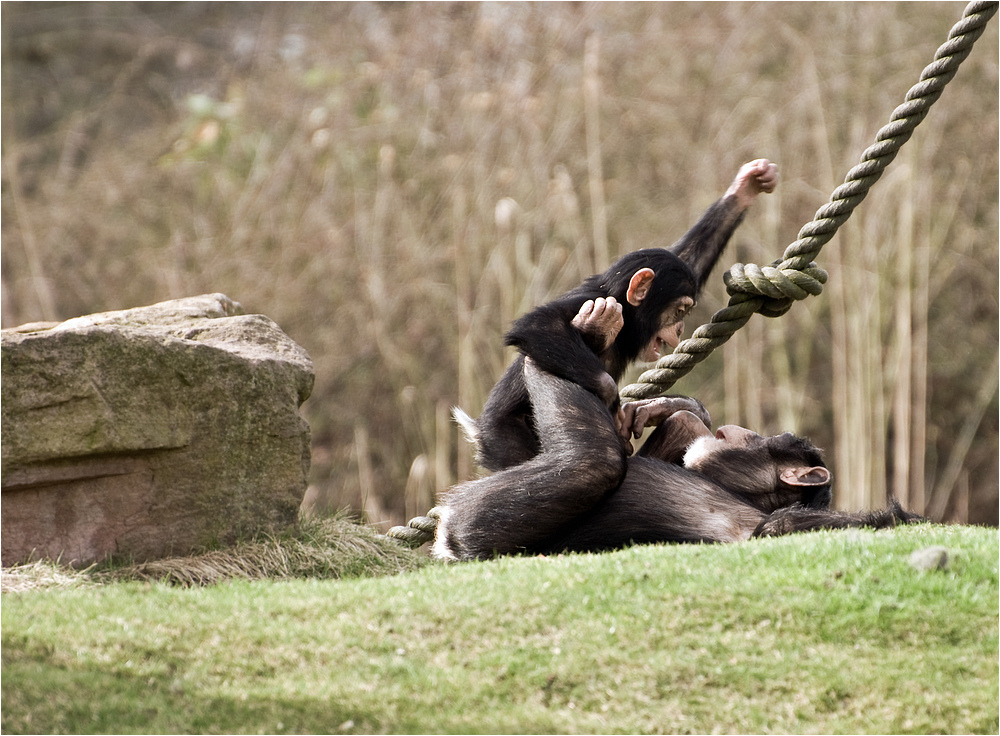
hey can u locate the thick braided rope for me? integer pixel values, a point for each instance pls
(418, 531)
(771, 290)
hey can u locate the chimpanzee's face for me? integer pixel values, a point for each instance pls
(671, 329)
(734, 457)
(784, 468)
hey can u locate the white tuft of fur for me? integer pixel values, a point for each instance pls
(468, 425)
(699, 450)
(441, 550)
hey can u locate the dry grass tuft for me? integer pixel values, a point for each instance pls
(41, 575)
(329, 547)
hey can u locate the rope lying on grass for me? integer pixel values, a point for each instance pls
(419, 530)
(771, 290)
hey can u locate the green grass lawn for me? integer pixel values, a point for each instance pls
(817, 633)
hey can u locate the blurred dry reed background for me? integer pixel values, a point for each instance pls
(393, 183)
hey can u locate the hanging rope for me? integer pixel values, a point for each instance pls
(771, 290)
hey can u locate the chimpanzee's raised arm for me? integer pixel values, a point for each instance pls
(703, 244)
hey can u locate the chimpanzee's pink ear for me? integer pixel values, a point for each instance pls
(818, 476)
(638, 286)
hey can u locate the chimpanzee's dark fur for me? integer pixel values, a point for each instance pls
(504, 434)
(525, 507)
(582, 493)
(799, 518)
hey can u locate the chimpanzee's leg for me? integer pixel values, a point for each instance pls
(798, 518)
(520, 509)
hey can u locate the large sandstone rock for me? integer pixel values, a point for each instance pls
(150, 432)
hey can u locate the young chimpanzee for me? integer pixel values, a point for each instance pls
(582, 493)
(591, 334)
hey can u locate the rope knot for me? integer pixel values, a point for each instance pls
(776, 287)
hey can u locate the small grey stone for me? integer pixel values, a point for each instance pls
(930, 558)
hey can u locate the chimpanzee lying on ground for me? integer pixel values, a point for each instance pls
(591, 334)
(582, 492)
